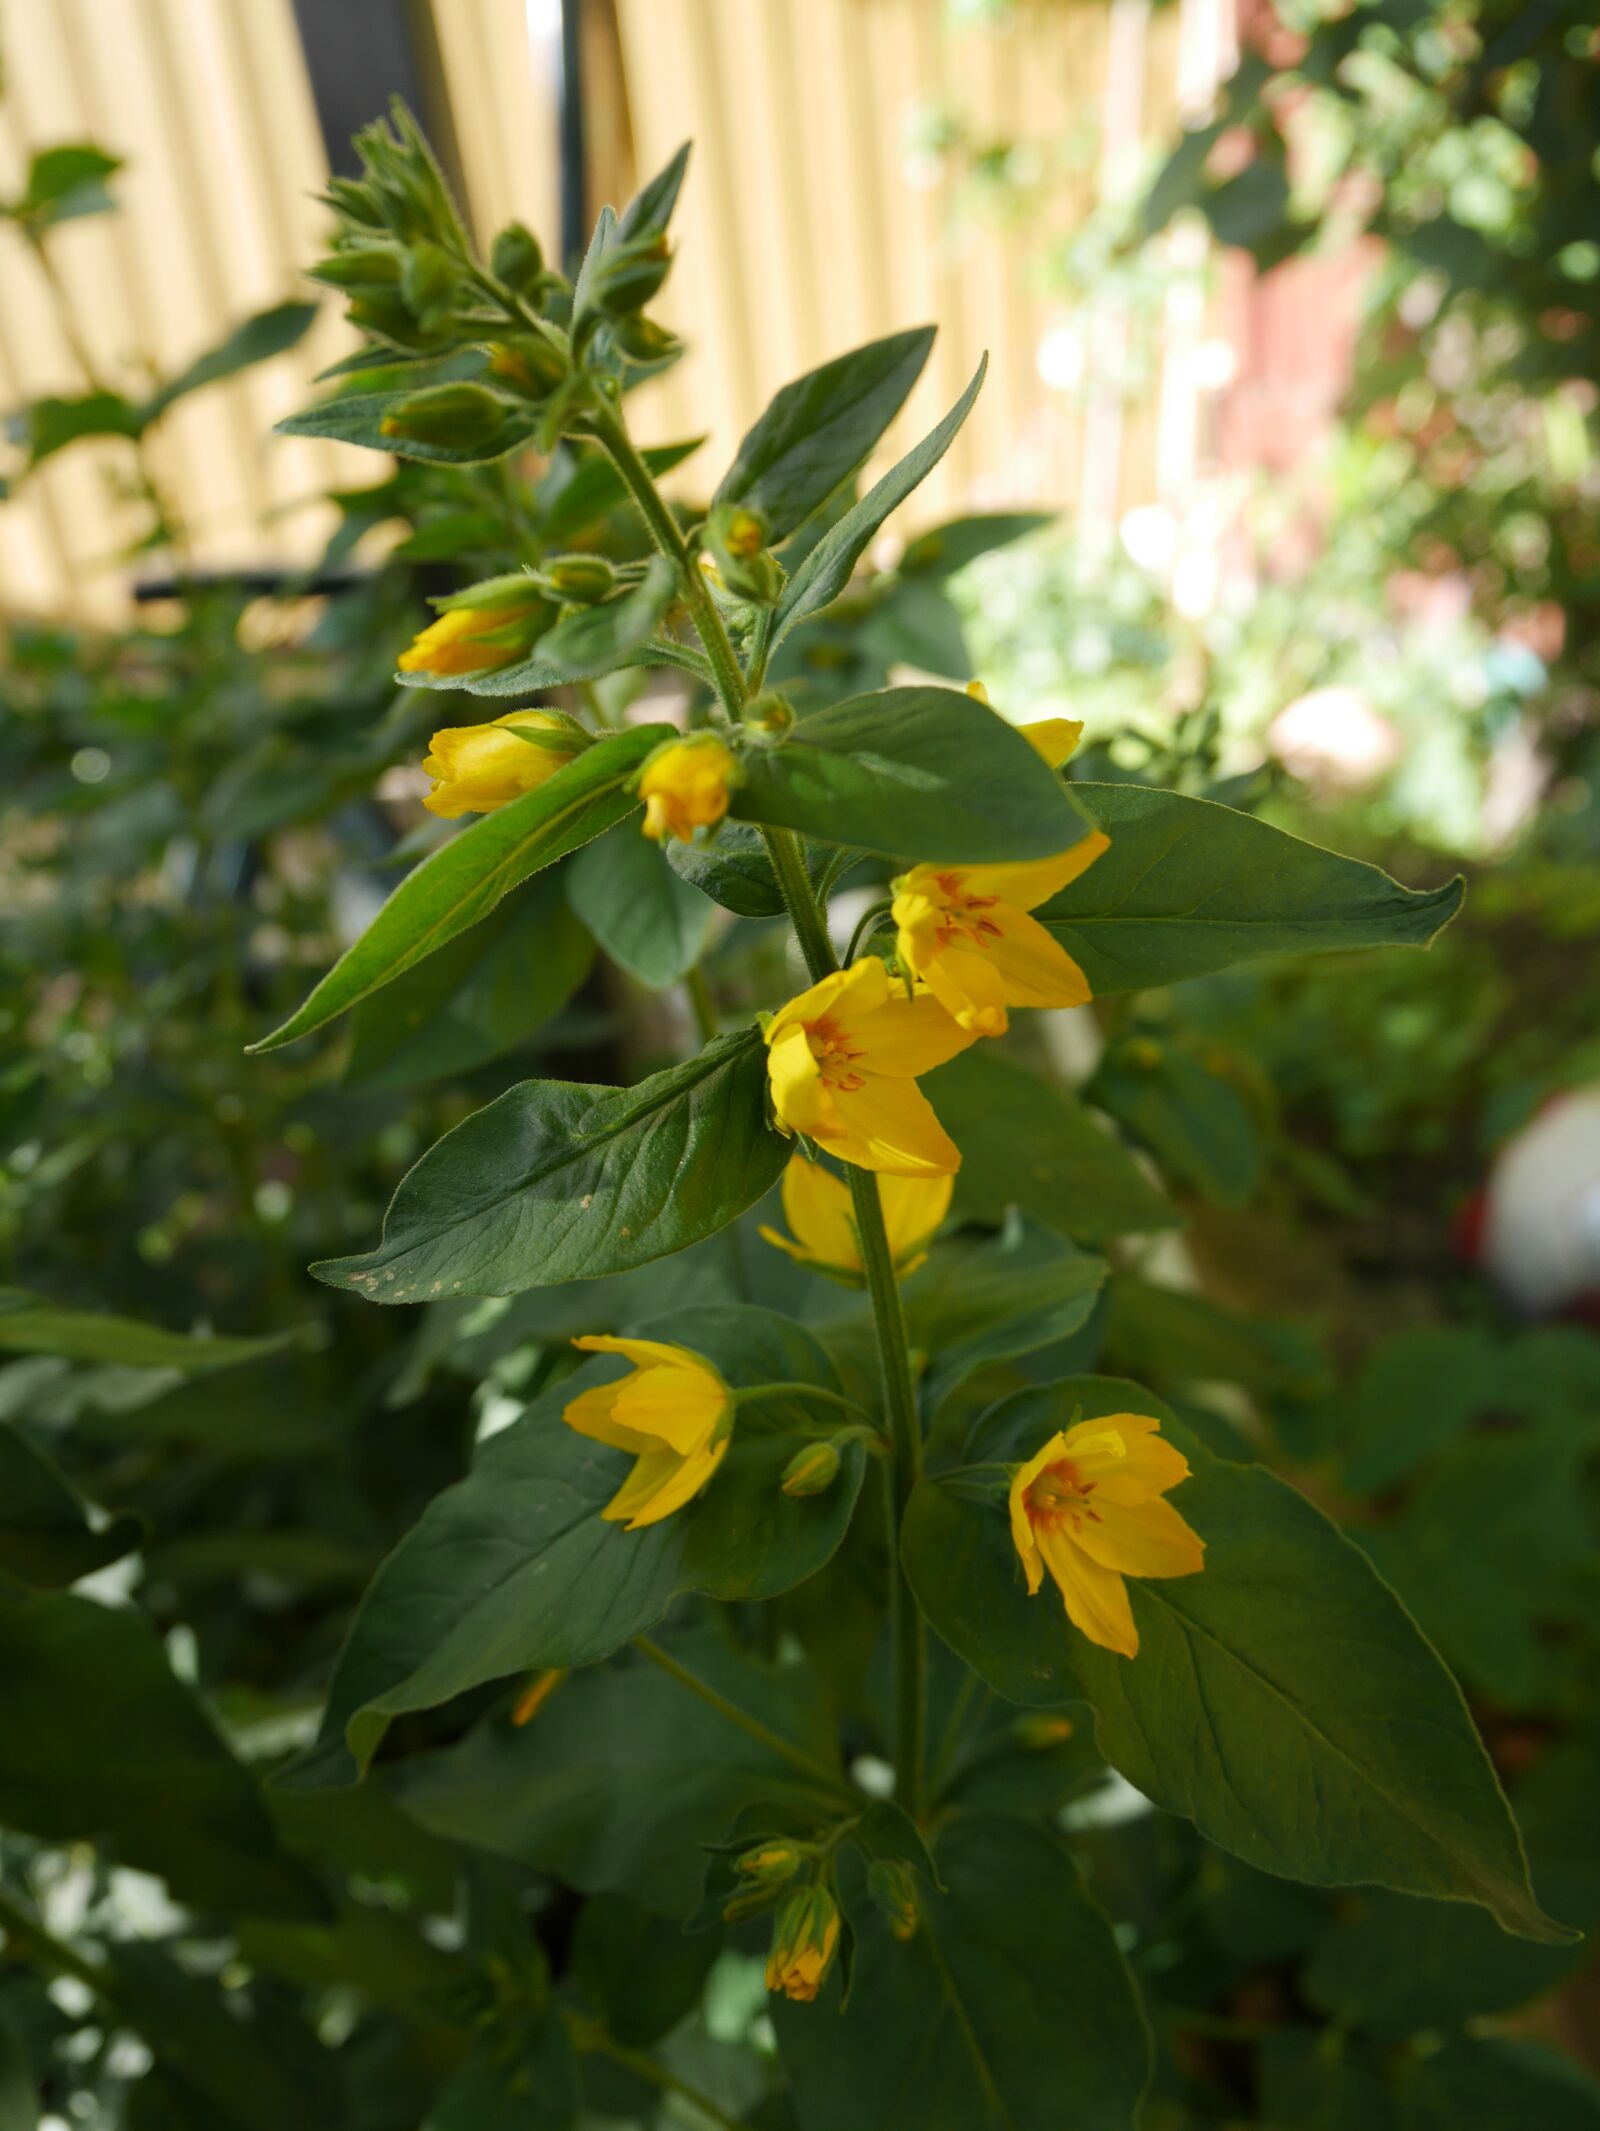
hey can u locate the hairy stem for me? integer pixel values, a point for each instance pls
(773, 1741)
(619, 447)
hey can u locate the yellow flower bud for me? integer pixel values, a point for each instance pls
(685, 787)
(771, 1862)
(804, 1935)
(894, 1890)
(812, 1470)
(1038, 1731)
(477, 768)
(476, 637)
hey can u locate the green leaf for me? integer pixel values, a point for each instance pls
(19, 2093)
(1282, 1699)
(49, 425)
(255, 340)
(46, 1536)
(482, 995)
(66, 182)
(919, 773)
(102, 1743)
(736, 872)
(625, 1773)
(1010, 2009)
(649, 212)
(977, 1303)
(1182, 1339)
(1189, 886)
(31, 1325)
(641, 1973)
(1392, 1965)
(828, 568)
(1027, 1142)
(1195, 1121)
(818, 429)
(521, 2083)
(562, 1181)
(550, 1582)
(944, 549)
(1487, 2083)
(589, 642)
(465, 878)
(358, 417)
(645, 917)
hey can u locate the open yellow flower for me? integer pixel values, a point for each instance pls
(477, 639)
(843, 1060)
(965, 932)
(673, 1412)
(685, 787)
(477, 768)
(1088, 1508)
(817, 1207)
(804, 1935)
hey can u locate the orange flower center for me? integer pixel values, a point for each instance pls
(964, 913)
(834, 1053)
(1058, 1499)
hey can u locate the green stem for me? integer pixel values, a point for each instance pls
(773, 1741)
(706, 1018)
(668, 537)
(642, 2063)
(909, 1638)
(29, 1941)
(805, 913)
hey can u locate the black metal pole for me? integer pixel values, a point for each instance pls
(574, 185)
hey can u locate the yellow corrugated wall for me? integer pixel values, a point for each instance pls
(808, 225)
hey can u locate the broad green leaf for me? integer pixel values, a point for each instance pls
(818, 429)
(482, 995)
(31, 1325)
(919, 773)
(625, 1772)
(1194, 1120)
(1027, 1142)
(357, 418)
(642, 1973)
(915, 624)
(66, 182)
(255, 340)
(562, 1181)
(551, 1583)
(945, 549)
(589, 642)
(828, 568)
(1189, 886)
(465, 878)
(649, 212)
(1282, 1699)
(977, 1303)
(511, 2083)
(645, 917)
(102, 1743)
(49, 425)
(1391, 1965)
(736, 872)
(1181, 1338)
(1010, 2009)
(1495, 2083)
(46, 1536)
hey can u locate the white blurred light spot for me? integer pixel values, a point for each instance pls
(91, 765)
(1214, 365)
(1060, 357)
(1196, 581)
(1541, 1232)
(1150, 535)
(1333, 736)
(543, 19)
(1109, 1805)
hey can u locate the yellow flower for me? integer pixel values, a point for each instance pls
(1088, 1508)
(1054, 738)
(804, 1934)
(965, 932)
(674, 1413)
(843, 1060)
(477, 639)
(816, 1205)
(685, 787)
(476, 768)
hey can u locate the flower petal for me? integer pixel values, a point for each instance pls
(1096, 1599)
(816, 1205)
(903, 1037)
(660, 1484)
(801, 1098)
(913, 1208)
(1035, 880)
(1054, 738)
(593, 1414)
(1032, 966)
(890, 1126)
(1141, 1539)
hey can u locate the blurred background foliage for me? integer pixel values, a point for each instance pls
(1355, 1199)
